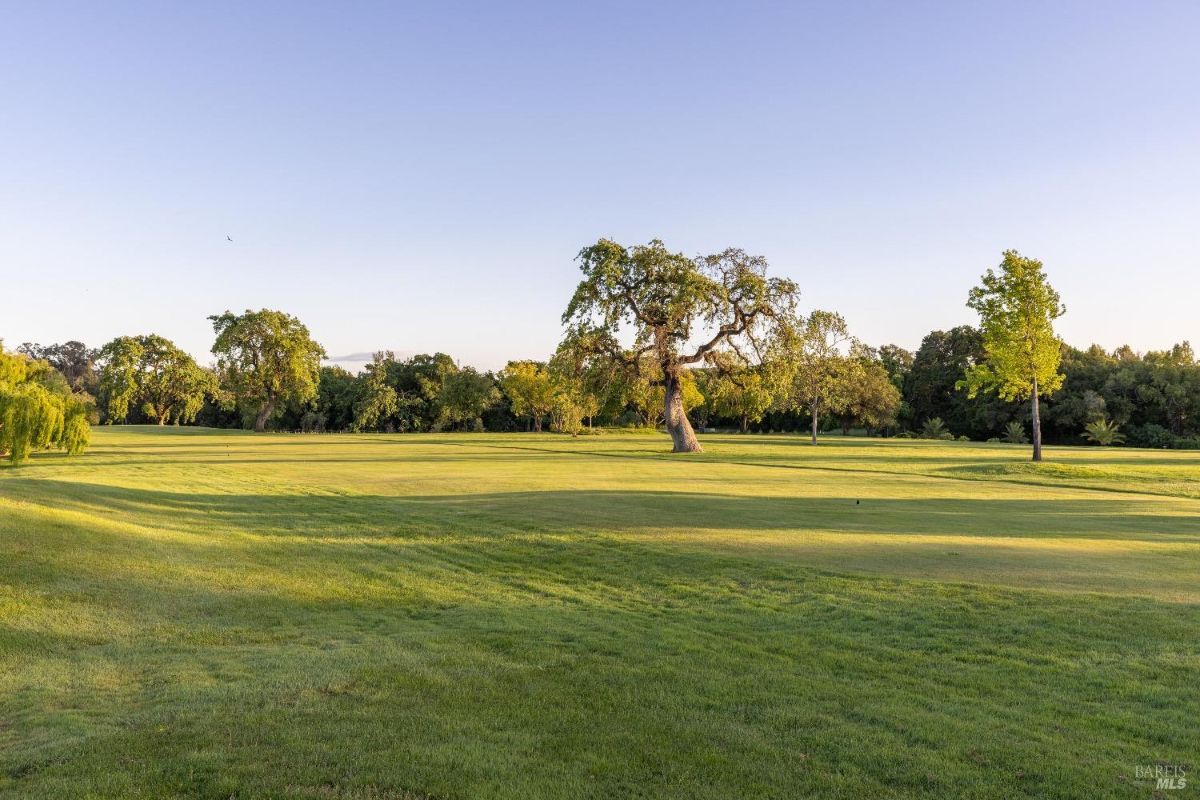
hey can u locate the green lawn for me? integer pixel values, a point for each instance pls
(191, 613)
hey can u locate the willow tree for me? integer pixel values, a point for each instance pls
(1017, 308)
(266, 358)
(152, 374)
(679, 311)
(38, 409)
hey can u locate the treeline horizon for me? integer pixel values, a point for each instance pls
(1153, 396)
(650, 336)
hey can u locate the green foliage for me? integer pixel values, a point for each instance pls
(821, 374)
(337, 395)
(1103, 432)
(152, 374)
(935, 429)
(1014, 433)
(266, 358)
(38, 409)
(465, 395)
(872, 398)
(1017, 308)
(668, 300)
(398, 395)
(531, 389)
(378, 400)
(743, 394)
(74, 360)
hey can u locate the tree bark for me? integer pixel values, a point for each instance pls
(1037, 425)
(683, 437)
(814, 408)
(537, 424)
(745, 423)
(264, 414)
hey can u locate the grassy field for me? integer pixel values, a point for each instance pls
(190, 613)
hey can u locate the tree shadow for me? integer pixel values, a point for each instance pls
(329, 516)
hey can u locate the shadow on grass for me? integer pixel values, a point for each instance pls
(598, 511)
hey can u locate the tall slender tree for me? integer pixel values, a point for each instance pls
(815, 350)
(667, 302)
(1017, 308)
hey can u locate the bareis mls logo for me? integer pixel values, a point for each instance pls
(1165, 776)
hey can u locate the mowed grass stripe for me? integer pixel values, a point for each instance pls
(393, 617)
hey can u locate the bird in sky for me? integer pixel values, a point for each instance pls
(228, 239)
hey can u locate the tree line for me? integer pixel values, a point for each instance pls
(652, 337)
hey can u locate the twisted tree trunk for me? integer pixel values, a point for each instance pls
(683, 437)
(264, 414)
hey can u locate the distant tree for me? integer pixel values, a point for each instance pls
(377, 401)
(337, 393)
(931, 386)
(75, 360)
(1014, 433)
(420, 381)
(1104, 432)
(668, 300)
(820, 368)
(464, 397)
(38, 409)
(872, 399)
(1017, 308)
(897, 363)
(531, 389)
(744, 392)
(576, 388)
(152, 374)
(266, 358)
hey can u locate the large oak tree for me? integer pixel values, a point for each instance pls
(151, 373)
(679, 312)
(266, 358)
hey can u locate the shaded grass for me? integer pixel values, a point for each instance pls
(521, 616)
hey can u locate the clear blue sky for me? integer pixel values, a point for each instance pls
(420, 177)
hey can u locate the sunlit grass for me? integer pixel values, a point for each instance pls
(189, 613)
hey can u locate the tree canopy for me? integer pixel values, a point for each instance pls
(531, 389)
(1017, 308)
(815, 352)
(679, 312)
(266, 358)
(38, 409)
(153, 375)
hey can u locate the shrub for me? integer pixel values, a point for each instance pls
(1103, 432)
(935, 429)
(1014, 433)
(1152, 435)
(312, 422)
